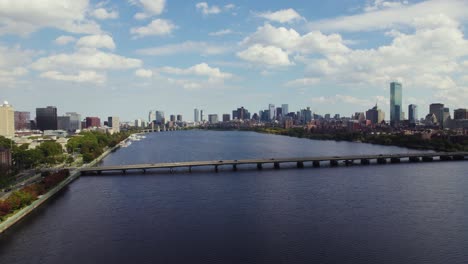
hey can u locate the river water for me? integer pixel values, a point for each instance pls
(405, 213)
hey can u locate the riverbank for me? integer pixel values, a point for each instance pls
(75, 174)
(407, 141)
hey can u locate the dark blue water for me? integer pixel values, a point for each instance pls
(405, 213)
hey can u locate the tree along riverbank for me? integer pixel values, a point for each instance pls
(408, 141)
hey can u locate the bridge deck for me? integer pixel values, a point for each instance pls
(217, 163)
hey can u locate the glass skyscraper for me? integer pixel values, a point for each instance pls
(412, 113)
(395, 103)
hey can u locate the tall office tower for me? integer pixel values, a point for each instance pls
(438, 110)
(460, 114)
(396, 109)
(305, 115)
(285, 109)
(213, 119)
(272, 113)
(75, 121)
(63, 123)
(279, 113)
(172, 118)
(22, 120)
(159, 116)
(93, 122)
(7, 120)
(241, 114)
(412, 114)
(179, 118)
(202, 117)
(196, 115)
(226, 118)
(360, 116)
(445, 117)
(114, 123)
(138, 123)
(151, 116)
(46, 118)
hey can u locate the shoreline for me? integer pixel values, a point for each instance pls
(75, 174)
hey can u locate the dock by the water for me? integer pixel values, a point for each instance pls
(300, 162)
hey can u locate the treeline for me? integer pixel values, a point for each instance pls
(438, 143)
(92, 144)
(27, 195)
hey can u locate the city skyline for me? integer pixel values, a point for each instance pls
(103, 57)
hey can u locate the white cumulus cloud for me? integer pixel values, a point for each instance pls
(143, 73)
(150, 8)
(157, 27)
(281, 16)
(96, 41)
(64, 40)
(80, 77)
(265, 55)
(103, 14)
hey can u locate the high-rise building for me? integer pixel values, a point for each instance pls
(114, 123)
(22, 120)
(172, 118)
(226, 118)
(460, 114)
(93, 122)
(63, 123)
(438, 110)
(7, 120)
(151, 116)
(285, 109)
(396, 109)
(413, 114)
(241, 114)
(375, 115)
(202, 116)
(279, 113)
(160, 116)
(213, 118)
(272, 113)
(445, 117)
(75, 121)
(196, 115)
(138, 123)
(360, 116)
(46, 118)
(305, 115)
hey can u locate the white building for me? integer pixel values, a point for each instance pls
(7, 120)
(114, 123)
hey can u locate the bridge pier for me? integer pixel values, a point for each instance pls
(190, 169)
(333, 163)
(349, 162)
(316, 163)
(276, 165)
(259, 166)
(414, 159)
(99, 172)
(234, 167)
(458, 157)
(300, 164)
(445, 158)
(395, 160)
(381, 160)
(144, 171)
(216, 168)
(124, 171)
(365, 162)
(427, 159)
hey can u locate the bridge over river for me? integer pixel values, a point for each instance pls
(300, 162)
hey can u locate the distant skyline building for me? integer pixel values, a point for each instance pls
(7, 120)
(396, 94)
(75, 121)
(438, 110)
(138, 123)
(226, 118)
(63, 123)
(202, 116)
(160, 116)
(93, 122)
(213, 118)
(46, 118)
(413, 113)
(179, 118)
(272, 112)
(445, 117)
(114, 123)
(172, 118)
(196, 115)
(22, 120)
(151, 116)
(460, 114)
(285, 109)
(375, 115)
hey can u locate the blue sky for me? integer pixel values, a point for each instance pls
(124, 58)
